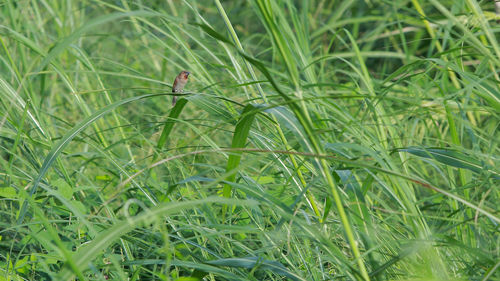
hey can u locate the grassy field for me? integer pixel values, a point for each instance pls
(315, 140)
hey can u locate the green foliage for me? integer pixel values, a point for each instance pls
(350, 140)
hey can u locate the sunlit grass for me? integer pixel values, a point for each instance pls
(316, 140)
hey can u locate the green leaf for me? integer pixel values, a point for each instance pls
(169, 124)
(200, 269)
(8, 192)
(328, 206)
(79, 205)
(64, 188)
(188, 279)
(210, 31)
(287, 119)
(239, 140)
(452, 158)
(251, 262)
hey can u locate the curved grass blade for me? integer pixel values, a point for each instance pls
(239, 139)
(200, 270)
(66, 139)
(19, 102)
(452, 158)
(261, 263)
(288, 120)
(169, 124)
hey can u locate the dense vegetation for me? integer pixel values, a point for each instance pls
(316, 140)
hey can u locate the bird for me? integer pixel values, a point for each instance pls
(179, 83)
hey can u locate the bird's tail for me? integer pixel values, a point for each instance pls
(174, 100)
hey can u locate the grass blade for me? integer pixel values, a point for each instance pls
(239, 141)
(169, 124)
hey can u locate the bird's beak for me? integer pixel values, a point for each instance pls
(187, 73)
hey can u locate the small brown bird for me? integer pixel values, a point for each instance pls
(179, 83)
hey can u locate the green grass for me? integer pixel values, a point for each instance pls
(316, 140)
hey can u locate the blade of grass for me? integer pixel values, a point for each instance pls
(240, 137)
(169, 124)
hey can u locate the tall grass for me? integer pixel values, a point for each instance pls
(316, 140)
